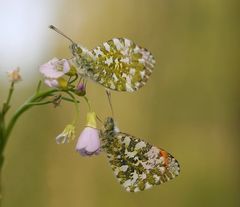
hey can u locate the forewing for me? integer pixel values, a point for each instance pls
(121, 65)
(139, 165)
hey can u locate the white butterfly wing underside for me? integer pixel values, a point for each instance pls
(121, 65)
(138, 165)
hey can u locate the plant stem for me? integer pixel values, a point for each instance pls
(36, 99)
(5, 108)
(0, 187)
(10, 93)
(27, 105)
(76, 106)
(2, 128)
(6, 105)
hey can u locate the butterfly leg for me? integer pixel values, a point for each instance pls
(109, 100)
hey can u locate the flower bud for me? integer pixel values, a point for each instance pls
(14, 75)
(80, 89)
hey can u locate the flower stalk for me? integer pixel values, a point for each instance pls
(65, 84)
(39, 98)
(32, 101)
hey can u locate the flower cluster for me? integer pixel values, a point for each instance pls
(61, 74)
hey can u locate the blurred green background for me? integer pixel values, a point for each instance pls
(190, 106)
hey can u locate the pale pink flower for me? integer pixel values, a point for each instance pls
(88, 142)
(55, 68)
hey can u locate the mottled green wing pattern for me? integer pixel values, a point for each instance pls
(137, 164)
(121, 65)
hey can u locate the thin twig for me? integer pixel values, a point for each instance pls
(38, 86)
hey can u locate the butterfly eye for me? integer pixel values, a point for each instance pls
(76, 49)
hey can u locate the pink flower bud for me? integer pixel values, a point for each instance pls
(80, 89)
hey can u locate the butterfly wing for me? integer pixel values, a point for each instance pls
(121, 65)
(137, 164)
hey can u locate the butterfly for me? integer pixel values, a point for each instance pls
(118, 64)
(137, 164)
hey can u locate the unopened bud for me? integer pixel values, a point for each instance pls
(14, 75)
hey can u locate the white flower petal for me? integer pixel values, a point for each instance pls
(67, 134)
(51, 83)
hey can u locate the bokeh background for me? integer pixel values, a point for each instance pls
(190, 106)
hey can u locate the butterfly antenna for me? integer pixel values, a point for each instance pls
(99, 119)
(110, 101)
(60, 32)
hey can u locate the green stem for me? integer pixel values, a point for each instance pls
(70, 100)
(27, 105)
(36, 99)
(5, 108)
(76, 106)
(40, 103)
(39, 86)
(2, 130)
(10, 93)
(74, 79)
(88, 103)
(6, 105)
(1, 127)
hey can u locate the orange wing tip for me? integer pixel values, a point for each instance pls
(164, 154)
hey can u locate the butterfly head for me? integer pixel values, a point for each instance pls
(109, 125)
(76, 49)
